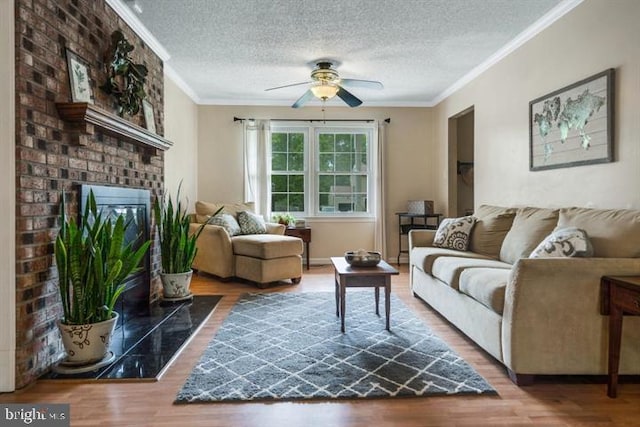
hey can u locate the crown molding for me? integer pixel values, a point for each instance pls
(138, 27)
(536, 28)
(173, 75)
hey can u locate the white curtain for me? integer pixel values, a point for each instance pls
(380, 223)
(256, 168)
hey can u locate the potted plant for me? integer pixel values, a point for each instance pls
(285, 219)
(177, 246)
(93, 260)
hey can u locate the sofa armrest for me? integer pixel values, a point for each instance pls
(552, 314)
(215, 252)
(420, 238)
(275, 228)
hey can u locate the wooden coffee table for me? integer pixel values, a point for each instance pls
(376, 277)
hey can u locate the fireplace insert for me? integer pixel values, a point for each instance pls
(135, 205)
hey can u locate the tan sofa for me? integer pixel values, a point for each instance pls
(260, 258)
(538, 316)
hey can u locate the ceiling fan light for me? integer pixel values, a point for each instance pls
(324, 91)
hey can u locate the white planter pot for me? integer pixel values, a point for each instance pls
(176, 285)
(87, 344)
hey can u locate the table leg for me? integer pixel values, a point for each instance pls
(387, 301)
(377, 300)
(615, 335)
(343, 291)
(306, 250)
(335, 279)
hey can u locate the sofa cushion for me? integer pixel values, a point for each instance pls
(564, 242)
(251, 223)
(530, 226)
(486, 285)
(492, 225)
(453, 233)
(424, 256)
(614, 233)
(226, 221)
(205, 209)
(448, 269)
(266, 246)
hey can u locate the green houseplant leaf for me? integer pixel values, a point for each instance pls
(177, 246)
(93, 261)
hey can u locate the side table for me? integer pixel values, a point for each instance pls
(620, 295)
(303, 233)
(407, 222)
(375, 277)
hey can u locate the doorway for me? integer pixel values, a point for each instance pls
(461, 163)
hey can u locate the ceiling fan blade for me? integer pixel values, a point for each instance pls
(348, 97)
(303, 99)
(293, 84)
(370, 84)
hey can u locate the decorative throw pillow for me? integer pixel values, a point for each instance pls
(453, 233)
(564, 242)
(228, 222)
(251, 223)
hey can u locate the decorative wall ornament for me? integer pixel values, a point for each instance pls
(149, 116)
(573, 126)
(125, 81)
(79, 80)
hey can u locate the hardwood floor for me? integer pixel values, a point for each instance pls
(550, 402)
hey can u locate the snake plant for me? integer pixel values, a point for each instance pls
(177, 246)
(93, 261)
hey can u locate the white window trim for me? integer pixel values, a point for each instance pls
(311, 162)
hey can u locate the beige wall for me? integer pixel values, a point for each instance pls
(7, 199)
(409, 166)
(595, 36)
(181, 127)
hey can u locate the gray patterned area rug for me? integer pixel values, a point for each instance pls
(289, 346)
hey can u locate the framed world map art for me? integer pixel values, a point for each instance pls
(573, 126)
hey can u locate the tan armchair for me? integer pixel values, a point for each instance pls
(261, 258)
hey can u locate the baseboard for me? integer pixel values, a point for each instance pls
(7, 371)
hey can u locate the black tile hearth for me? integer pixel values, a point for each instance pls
(145, 345)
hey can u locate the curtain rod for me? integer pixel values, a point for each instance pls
(241, 119)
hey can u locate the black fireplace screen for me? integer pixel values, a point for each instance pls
(135, 204)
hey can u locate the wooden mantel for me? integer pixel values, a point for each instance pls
(85, 116)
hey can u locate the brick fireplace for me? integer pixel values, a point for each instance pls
(52, 156)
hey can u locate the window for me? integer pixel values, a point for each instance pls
(322, 170)
(288, 171)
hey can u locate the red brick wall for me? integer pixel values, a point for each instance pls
(49, 162)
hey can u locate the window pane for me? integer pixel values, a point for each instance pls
(296, 183)
(327, 163)
(296, 142)
(278, 142)
(279, 203)
(360, 203)
(325, 183)
(344, 142)
(343, 162)
(359, 183)
(279, 162)
(326, 143)
(296, 162)
(343, 180)
(324, 203)
(296, 202)
(278, 183)
(360, 164)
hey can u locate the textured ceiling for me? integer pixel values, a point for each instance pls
(229, 51)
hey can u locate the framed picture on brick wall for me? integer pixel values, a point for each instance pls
(79, 78)
(149, 116)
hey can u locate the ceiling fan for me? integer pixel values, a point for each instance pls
(326, 83)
